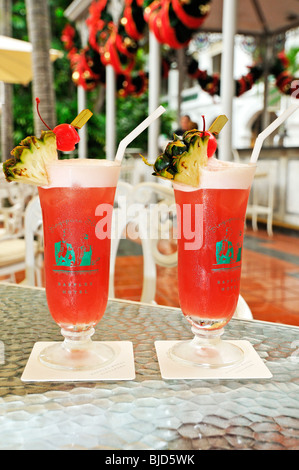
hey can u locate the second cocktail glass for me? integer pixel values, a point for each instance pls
(211, 222)
(77, 213)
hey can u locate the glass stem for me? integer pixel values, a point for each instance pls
(75, 340)
(205, 338)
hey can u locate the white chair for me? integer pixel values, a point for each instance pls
(155, 222)
(134, 214)
(262, 197)
(12, 220)
(261, 201)
(243, 311)
(24, 254)
(10, 209)
(13, 200)
(34, 243)
(132, 168)
(12, 258)
(120, 220)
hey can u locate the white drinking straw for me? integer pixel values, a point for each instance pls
(271, 128)
(142, 126)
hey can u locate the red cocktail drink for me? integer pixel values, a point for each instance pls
(210, 241)
(77, 213)
(76, 261)
(209, 276)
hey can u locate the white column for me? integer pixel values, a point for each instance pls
(154, 95)
(110, 113)
(227, 76)
(181, 54)
(173, 89)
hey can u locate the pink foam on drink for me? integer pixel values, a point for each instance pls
(89, 173)
(220, 174)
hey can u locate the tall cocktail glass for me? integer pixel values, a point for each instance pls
(77, 212)
(210, 240)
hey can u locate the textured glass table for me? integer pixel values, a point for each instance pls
(147, 413)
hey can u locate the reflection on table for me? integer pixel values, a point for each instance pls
(148, 412)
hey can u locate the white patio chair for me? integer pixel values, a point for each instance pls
(262, 197)
(155, 222)
(134, 214)
(12, 221)
(12, 258)
(261, 201)
(34, 251)
(24, 254)
(120, 220)
(13, 199)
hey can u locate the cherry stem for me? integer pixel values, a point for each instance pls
(204, 123)
(37, 103)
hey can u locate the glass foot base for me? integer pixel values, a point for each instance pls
(78, 354)
(207, 349)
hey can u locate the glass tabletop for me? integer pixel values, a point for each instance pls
(147, 413)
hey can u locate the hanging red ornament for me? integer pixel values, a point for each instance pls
(68, 37)
(139, 83)
(283, 59)
(133, 20)
(152, 15)
(284, 81)
(98, 22)
(149, 9)
(157, 27)
(83, 75)
(112, 56)
(170, 32)
(165, 67)
(199, 12)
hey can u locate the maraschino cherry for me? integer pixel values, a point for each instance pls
(66, 135)
(212, 144)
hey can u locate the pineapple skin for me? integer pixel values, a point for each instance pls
(186, 157)
(28, 164)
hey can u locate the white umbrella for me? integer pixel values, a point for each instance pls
(15, 60)
(256, 17)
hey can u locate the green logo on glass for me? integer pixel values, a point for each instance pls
(226, 253)
(68, 255)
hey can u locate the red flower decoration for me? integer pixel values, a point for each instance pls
(284, 60)
(68, 36)
(188, 20)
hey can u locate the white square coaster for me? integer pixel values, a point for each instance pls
(122, 368)
(252, 367)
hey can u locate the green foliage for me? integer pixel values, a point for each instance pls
(19, 20)
(130, 112)
(293, 56)
(96, 135)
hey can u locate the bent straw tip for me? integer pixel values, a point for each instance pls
(138, 130)
(271, 128)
